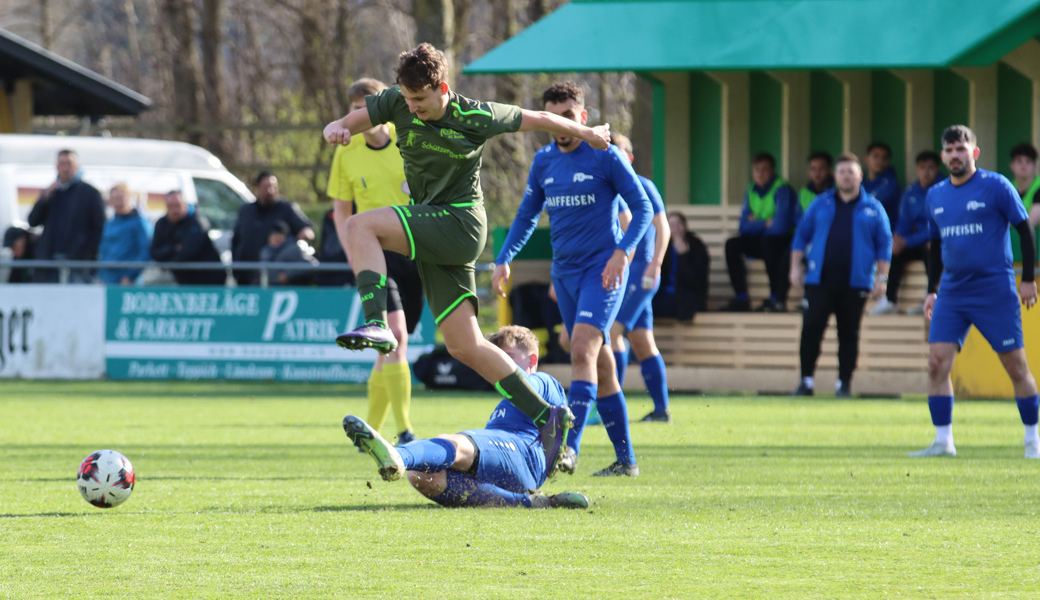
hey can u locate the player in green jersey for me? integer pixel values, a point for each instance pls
(441, 137)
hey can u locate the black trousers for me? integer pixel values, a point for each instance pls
(846, 304)
(774, 250)
(898, 269)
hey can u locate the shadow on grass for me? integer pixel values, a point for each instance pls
(48, 514)
(374, 507)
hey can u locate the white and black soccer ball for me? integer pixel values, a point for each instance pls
(105, 479)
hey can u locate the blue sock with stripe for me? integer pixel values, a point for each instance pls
(621, 359)
(656, 381)
(941, 408)
(1029, 409)
(580, 398)
(428, 456)
(614, 411)
(466, 490)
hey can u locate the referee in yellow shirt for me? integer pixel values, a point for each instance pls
(368, 173)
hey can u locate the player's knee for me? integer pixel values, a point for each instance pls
(461, 348)
(939, 366)
(1017, 367)
(428, 484)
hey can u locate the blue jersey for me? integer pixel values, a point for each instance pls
(579, 190)
(645, 250)
(972, 220)
(507, 417)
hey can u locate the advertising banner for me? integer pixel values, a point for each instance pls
(52, 332)
(240, 333)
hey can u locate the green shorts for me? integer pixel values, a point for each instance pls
(445, 241)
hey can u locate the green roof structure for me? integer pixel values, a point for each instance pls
(721, 35)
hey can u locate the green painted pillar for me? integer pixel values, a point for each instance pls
(826, 118)
(766, 116)
(888, 117)
(705, 140)
(1014, 115)
(952, 102)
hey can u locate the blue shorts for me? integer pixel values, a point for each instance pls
(507, 460)
(582, 299)
(998, 319)
(636, 310)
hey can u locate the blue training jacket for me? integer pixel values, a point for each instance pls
(125, 237)
(913, 214)
(871, 237)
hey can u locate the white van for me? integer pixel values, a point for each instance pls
(151, 168)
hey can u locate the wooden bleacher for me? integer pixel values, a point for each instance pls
(758, 352)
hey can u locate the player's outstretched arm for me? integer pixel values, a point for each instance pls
(539, 120)
(340, 131)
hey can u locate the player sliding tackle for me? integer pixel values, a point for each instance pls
(494, 466)
(441, 136)
(969, 215)
(581, 187)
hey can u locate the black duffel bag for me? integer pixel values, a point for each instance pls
(438, 370)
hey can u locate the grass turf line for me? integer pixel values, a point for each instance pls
(252, 490)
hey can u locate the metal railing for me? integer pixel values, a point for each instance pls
(66, 267)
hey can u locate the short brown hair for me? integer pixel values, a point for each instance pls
(847, 157)
(515, 336)
(622, 142)
(366, 86)
(423, 68)
(562, 91)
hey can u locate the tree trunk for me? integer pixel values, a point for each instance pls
(462, 10)
(341, 47)
(219, 141)
(46, 25)
(435, 23)
(187, 72)
(133, 44)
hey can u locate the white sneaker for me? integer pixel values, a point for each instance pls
(1033, 450)
(884, 307)
(917, 310)
(936, 449)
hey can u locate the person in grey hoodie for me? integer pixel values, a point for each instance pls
(283, 248)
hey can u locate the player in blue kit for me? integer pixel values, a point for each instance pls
(500, 465)
(636, 315)
(579, 187)
(970, 214)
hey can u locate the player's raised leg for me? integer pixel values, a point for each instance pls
(1026, 397)
(941, 356)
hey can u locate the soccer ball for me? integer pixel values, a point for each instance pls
(105, 479)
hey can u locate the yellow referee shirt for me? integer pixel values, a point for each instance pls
(370, 178)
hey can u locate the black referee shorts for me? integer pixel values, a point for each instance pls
(403, 288)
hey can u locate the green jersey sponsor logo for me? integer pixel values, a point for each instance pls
(443, 150)
(416, 121)
(410, 140)
(451, 134)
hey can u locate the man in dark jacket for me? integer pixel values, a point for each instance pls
(281, 248)
(255, 220)
(183, 236)
(72, 213)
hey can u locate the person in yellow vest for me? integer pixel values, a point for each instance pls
(821, 179)
(369, 173)
(767, 222)
(1023, 167)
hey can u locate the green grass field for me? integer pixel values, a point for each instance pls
(252, 491)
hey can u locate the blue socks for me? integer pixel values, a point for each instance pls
(428, 456)
(614, 411)
(465, 490)
(621, 358)
(656, 381)
(941, 408)
(580, 398)
(1029, 408)
(742, 297)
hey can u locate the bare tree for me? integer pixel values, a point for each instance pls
(183, 55)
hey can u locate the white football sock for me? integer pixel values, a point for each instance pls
(1032, 437)
(808, 381)
(944, 434)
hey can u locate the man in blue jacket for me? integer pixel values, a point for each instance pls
(881, 181)
(128, 236)
(766, 223)
(850, 247)
(910, 231)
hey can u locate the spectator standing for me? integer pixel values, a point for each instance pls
(821, 179)
(331, 251)
(684, 273)
(881, 181)
(255, 220)
(910, 233)
(281, 248)
(767, 220)
(850, 247)
(1023, 167)
(20, 243)
(72, 213)
(183, 236)
(127, 236)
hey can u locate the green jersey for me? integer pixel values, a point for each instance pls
(442, 157)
